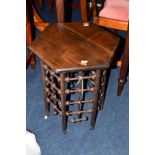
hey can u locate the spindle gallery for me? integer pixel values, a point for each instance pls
(76, 66)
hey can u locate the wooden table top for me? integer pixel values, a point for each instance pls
(64, 46)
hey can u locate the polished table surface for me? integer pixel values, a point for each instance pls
(64, 45)
(68, 49)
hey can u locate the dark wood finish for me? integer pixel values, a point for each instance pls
(114, 25)
(60, 8)
(83, 4)
(55, 86)
(95, 104)
(71, 52)
(51, 5)
(38, 21)
(46, 102)
(64, 117)
(87, 10)
(73, 43)
(32, 19)
(41, 4)
(124, 63)
(125, 66)
(74, 120)
(30, 59)
(76, 5)
(102, 89)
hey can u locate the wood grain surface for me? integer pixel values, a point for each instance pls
(63, 46)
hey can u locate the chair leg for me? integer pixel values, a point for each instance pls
(87, 11)
(83, 4)
(46, 102)
(60, 11)
(41, 4)
(33, 62)
(64, 117)
(114, 31)
(30, 59)
(125, 66)
(51, 4)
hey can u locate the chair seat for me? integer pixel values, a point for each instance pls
(116, 9)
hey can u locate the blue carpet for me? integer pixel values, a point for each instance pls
(111, 134)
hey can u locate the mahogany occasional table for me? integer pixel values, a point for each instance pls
(74, 62)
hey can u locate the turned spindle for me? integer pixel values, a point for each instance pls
(74, 120)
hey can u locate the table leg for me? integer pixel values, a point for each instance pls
(102, 89)
(95, 104)
(46, 103)
(64, 117)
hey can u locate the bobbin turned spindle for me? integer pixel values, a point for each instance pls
(74, 120)
(74, 68)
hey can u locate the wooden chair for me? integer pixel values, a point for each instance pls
(59, 8)
(114, 15)
(64, 14)
(30, 58)
(32, 19)
(41, 4)
(38, 21)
